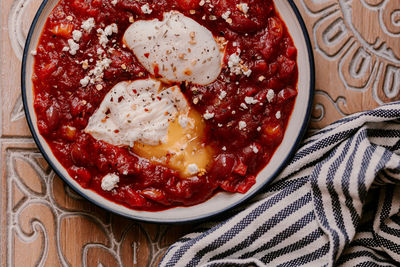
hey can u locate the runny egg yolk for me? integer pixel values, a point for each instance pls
(156, 122)
(184, 147)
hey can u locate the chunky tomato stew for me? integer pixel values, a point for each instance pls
(82, 55)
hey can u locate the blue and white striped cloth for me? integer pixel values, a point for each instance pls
(336, 204)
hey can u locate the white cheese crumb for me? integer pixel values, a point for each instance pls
(243, 7)
(76, 35)
(99, 51)
(193, 169)
(243, 106)
(146, 9)
(73, 47)
(65, 49)
(208, 115)
(247, 72)
(222, 95)
(88, 24)
(233, 62)
(270, 95)
(109, 182)
(110, 29)
(258, 128)
(278, 115)
(254, 148)
(202, 2)
(226, 15)
(242, 125)
(85, 81)
(220, 125)
(250, 100)
(114, 2)
(224, 148)
(236, 66)
(183, 121)
(33, 53)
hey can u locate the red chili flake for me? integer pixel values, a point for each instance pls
(157, 71)
(147, 55)
(116, 131)
(134, 91)
(120, 99)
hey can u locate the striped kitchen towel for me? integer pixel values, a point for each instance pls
(337, 203)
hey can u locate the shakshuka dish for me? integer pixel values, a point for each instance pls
(155, 104)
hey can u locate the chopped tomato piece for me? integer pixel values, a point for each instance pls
(240, 168)
(188, 4)
(63, 29)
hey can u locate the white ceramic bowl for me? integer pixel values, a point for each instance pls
(221, 201)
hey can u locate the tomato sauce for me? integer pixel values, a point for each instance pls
(244, 136)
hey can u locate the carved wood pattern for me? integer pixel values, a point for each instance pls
(44, 223)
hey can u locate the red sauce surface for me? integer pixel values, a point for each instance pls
(63, 106)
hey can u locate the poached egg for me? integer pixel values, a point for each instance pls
(175, 49)
(156, 122)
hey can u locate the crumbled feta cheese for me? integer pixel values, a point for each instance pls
(278, 115)
(242, 125)
(208, 115)
(109, 182)
(243, 106)
(234, 61)
(73, 47)
(220, 125)
(110, 29)
(33, 53)
(224, 148)
(270, 95)
(250, 100)
(99, 51)
(236, 66)
(114, 2)
(258, 128)
(85, 81)
(226, 15)
(65, 49)
(243, 7)
(101, 65)
(193, 169)
(76, 35)
(88, 24)
(202, 2)
(183, 121)
(254, 148)
(222, 95)
(146, 9)
(247, 72)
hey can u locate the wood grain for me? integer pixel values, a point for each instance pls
(357, 56)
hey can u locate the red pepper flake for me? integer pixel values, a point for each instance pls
(116, 131)
(147, 55)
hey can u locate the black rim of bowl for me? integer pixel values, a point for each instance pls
(153, 220)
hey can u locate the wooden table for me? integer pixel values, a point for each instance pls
(357, 56)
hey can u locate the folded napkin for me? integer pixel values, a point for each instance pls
(336, 203)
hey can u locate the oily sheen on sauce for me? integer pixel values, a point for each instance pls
(240, 118)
